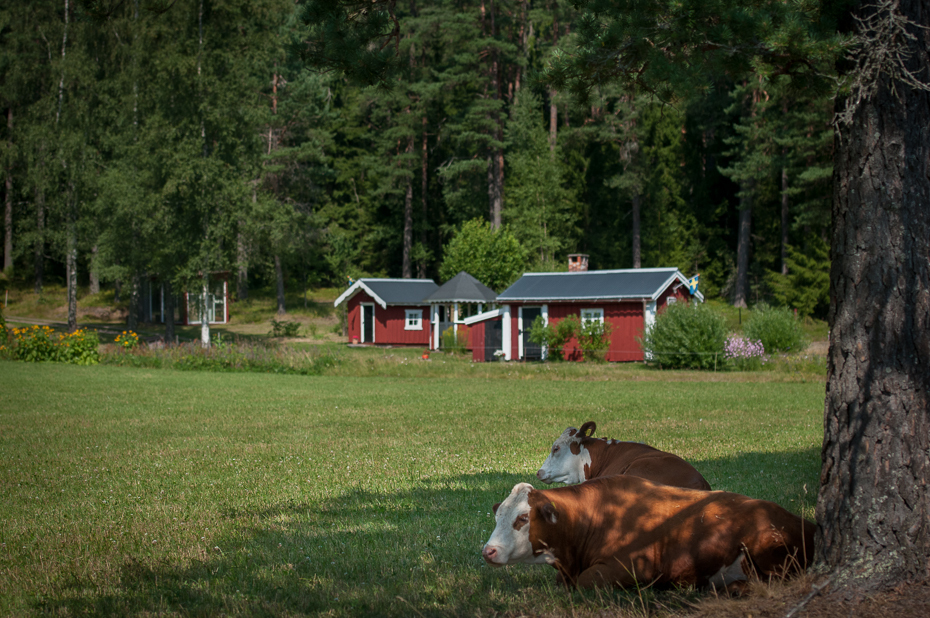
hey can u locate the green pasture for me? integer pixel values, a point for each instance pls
(132, 491)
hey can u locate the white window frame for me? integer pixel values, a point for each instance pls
(671, 300)
(599, 317)
(415, 316)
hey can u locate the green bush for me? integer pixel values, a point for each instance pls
(777, 328)
(594, 339)
(452, 343)
(284, 329)
(553, 337)
(685, 335)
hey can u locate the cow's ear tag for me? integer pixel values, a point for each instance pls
(549, 512)
(587, 430)
(495, 507)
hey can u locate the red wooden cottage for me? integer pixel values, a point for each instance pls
(389, 311)
(627, 299)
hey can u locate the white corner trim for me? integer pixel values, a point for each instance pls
(487, 315)
(506, 340)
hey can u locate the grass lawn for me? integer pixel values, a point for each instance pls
(135, 491)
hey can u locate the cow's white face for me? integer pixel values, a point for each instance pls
(510, 541)
(566, 460)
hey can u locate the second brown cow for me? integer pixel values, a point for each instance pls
(576, 456)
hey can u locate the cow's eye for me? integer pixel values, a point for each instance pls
(523, 519)
(555, 449)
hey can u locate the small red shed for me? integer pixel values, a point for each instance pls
(627, 299)
(388, 311)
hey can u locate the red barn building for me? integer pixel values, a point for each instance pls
(626, 299)
(389, 311)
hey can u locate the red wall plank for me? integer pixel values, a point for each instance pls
(389, 323)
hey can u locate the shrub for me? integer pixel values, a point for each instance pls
(453, 344)
(284, 329)
(594, 339)
(127, 340)
(553, 336)
(685, 335)
(41, 343)
(776, 328)
(744, 354)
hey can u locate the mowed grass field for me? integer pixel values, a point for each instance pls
(153, 492)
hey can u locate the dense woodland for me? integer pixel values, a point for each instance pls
(164, 139)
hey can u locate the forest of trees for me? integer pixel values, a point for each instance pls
(168, 138)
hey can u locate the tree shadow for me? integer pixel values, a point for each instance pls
(385, 552)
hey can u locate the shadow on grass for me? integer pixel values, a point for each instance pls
(376, 552)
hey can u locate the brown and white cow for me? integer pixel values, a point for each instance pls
(576, 456)
(620, 530)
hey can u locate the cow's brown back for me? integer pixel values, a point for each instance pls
(611, 457)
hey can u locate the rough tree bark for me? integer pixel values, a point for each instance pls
(784, 220)
(874, 501)
(39, 248)
(169, 313)
(424, 174)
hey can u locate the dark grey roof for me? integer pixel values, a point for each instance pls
(595, 284)
(392, 291)
(402, 291)
(462, 288)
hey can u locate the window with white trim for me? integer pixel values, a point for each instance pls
(592, 315)
(414, 319)
(671, 300)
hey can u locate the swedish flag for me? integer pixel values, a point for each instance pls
(693, 284)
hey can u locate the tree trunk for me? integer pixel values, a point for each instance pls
(242, 279)
(94, 277)
(39, 250)
(496, 156)
(784, 221)
(71, 262)
(407, 267)
(637, 238)
(204, 317)
(741, 293)
(133, 320)
(553, 121)
(169, 313)
(8, 215)
(279, 280)
(424, 223)
(874, 502)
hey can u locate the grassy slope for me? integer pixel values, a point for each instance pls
(135, 491)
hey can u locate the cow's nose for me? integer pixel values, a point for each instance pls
(489, 553)
(540, 474)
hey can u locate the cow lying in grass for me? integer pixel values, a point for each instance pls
(576, 457)
(623, 530)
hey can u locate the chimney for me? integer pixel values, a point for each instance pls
(577, 263)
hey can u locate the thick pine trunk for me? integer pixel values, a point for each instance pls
(874, 502)
(553, 121)
(741, 288)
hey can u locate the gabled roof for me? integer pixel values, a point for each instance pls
(391, 291)
(462, 288)
(628, 284)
